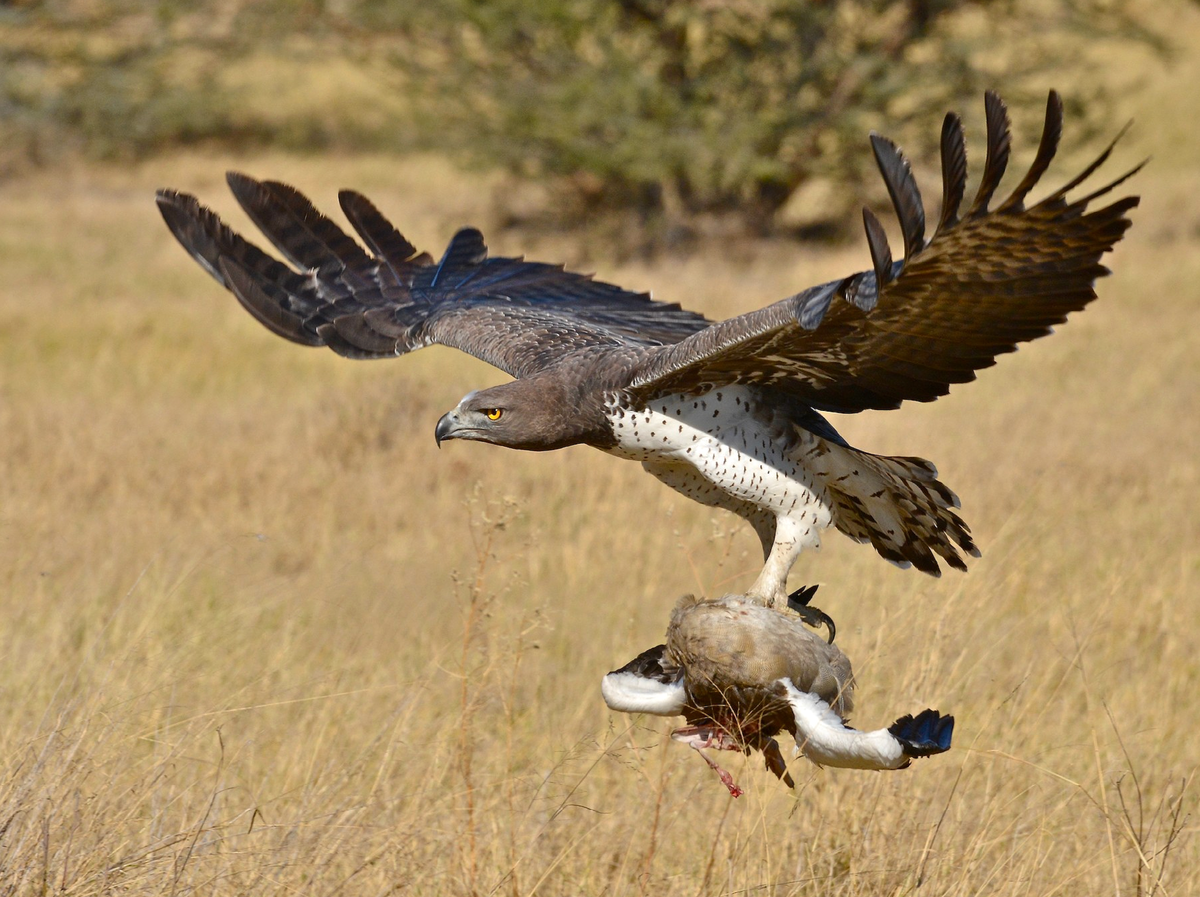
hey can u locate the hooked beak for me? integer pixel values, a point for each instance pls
(445, 428)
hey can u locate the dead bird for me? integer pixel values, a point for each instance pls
(741, 673)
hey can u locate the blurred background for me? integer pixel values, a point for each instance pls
(727, 115)
(258, 635)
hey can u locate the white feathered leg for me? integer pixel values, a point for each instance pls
(792, 536)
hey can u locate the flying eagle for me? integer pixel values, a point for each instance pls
(728, 412)
(741, 673)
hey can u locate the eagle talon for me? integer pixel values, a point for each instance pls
(799, 600)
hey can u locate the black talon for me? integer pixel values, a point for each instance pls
(813, 616)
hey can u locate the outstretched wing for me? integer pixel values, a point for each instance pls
(519, 316)
(909, 329)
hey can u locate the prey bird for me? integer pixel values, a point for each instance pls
(728, 412)
(741, 673)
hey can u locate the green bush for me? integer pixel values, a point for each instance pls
(686, 112)
(682, 109)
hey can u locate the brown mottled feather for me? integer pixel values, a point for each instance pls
(977, 289)
(902, 187)
(1047, 147)
(381, 236)
(877, 243)
(904, 331)
(734, 641)
(733, 652)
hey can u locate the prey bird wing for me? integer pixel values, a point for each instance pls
(520, 316)
(909, 329)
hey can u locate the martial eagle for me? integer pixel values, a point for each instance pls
(728, 412)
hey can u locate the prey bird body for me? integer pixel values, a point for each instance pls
(741, 673)
(727, 413)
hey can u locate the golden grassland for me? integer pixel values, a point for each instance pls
(258, 635)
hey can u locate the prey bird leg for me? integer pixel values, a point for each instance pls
(726, 778)
(700, 737)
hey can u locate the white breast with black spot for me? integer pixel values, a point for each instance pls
(729, 442)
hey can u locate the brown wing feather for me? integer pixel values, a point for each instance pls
(520, 316)
(977, 289)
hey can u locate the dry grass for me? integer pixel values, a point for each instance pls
(260, 636)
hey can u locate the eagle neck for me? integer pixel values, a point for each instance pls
(570, 411)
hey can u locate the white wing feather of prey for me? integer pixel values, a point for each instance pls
(823, 738)
(632, 693)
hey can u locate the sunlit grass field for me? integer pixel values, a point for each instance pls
(258, 635)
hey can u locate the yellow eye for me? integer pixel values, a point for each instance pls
(493, 413)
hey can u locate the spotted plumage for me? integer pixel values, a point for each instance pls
(724, 412)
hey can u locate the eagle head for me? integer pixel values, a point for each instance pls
(530, 414)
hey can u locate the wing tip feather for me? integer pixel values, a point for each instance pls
(954, 170)
(999, 145)
(1047, 148)
(262, 307)
(902, 188)
(877, 243)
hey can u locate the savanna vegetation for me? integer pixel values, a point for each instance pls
(259, 636)
(677, 117)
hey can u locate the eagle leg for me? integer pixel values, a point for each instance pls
(700, 737)
(792, 536)
(813, 616)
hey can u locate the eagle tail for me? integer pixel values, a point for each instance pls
(899, 506)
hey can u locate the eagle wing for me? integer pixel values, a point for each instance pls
(907, 330)
(389, 299)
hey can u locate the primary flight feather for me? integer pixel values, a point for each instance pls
(728, 413)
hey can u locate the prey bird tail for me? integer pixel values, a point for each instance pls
(925, 734)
